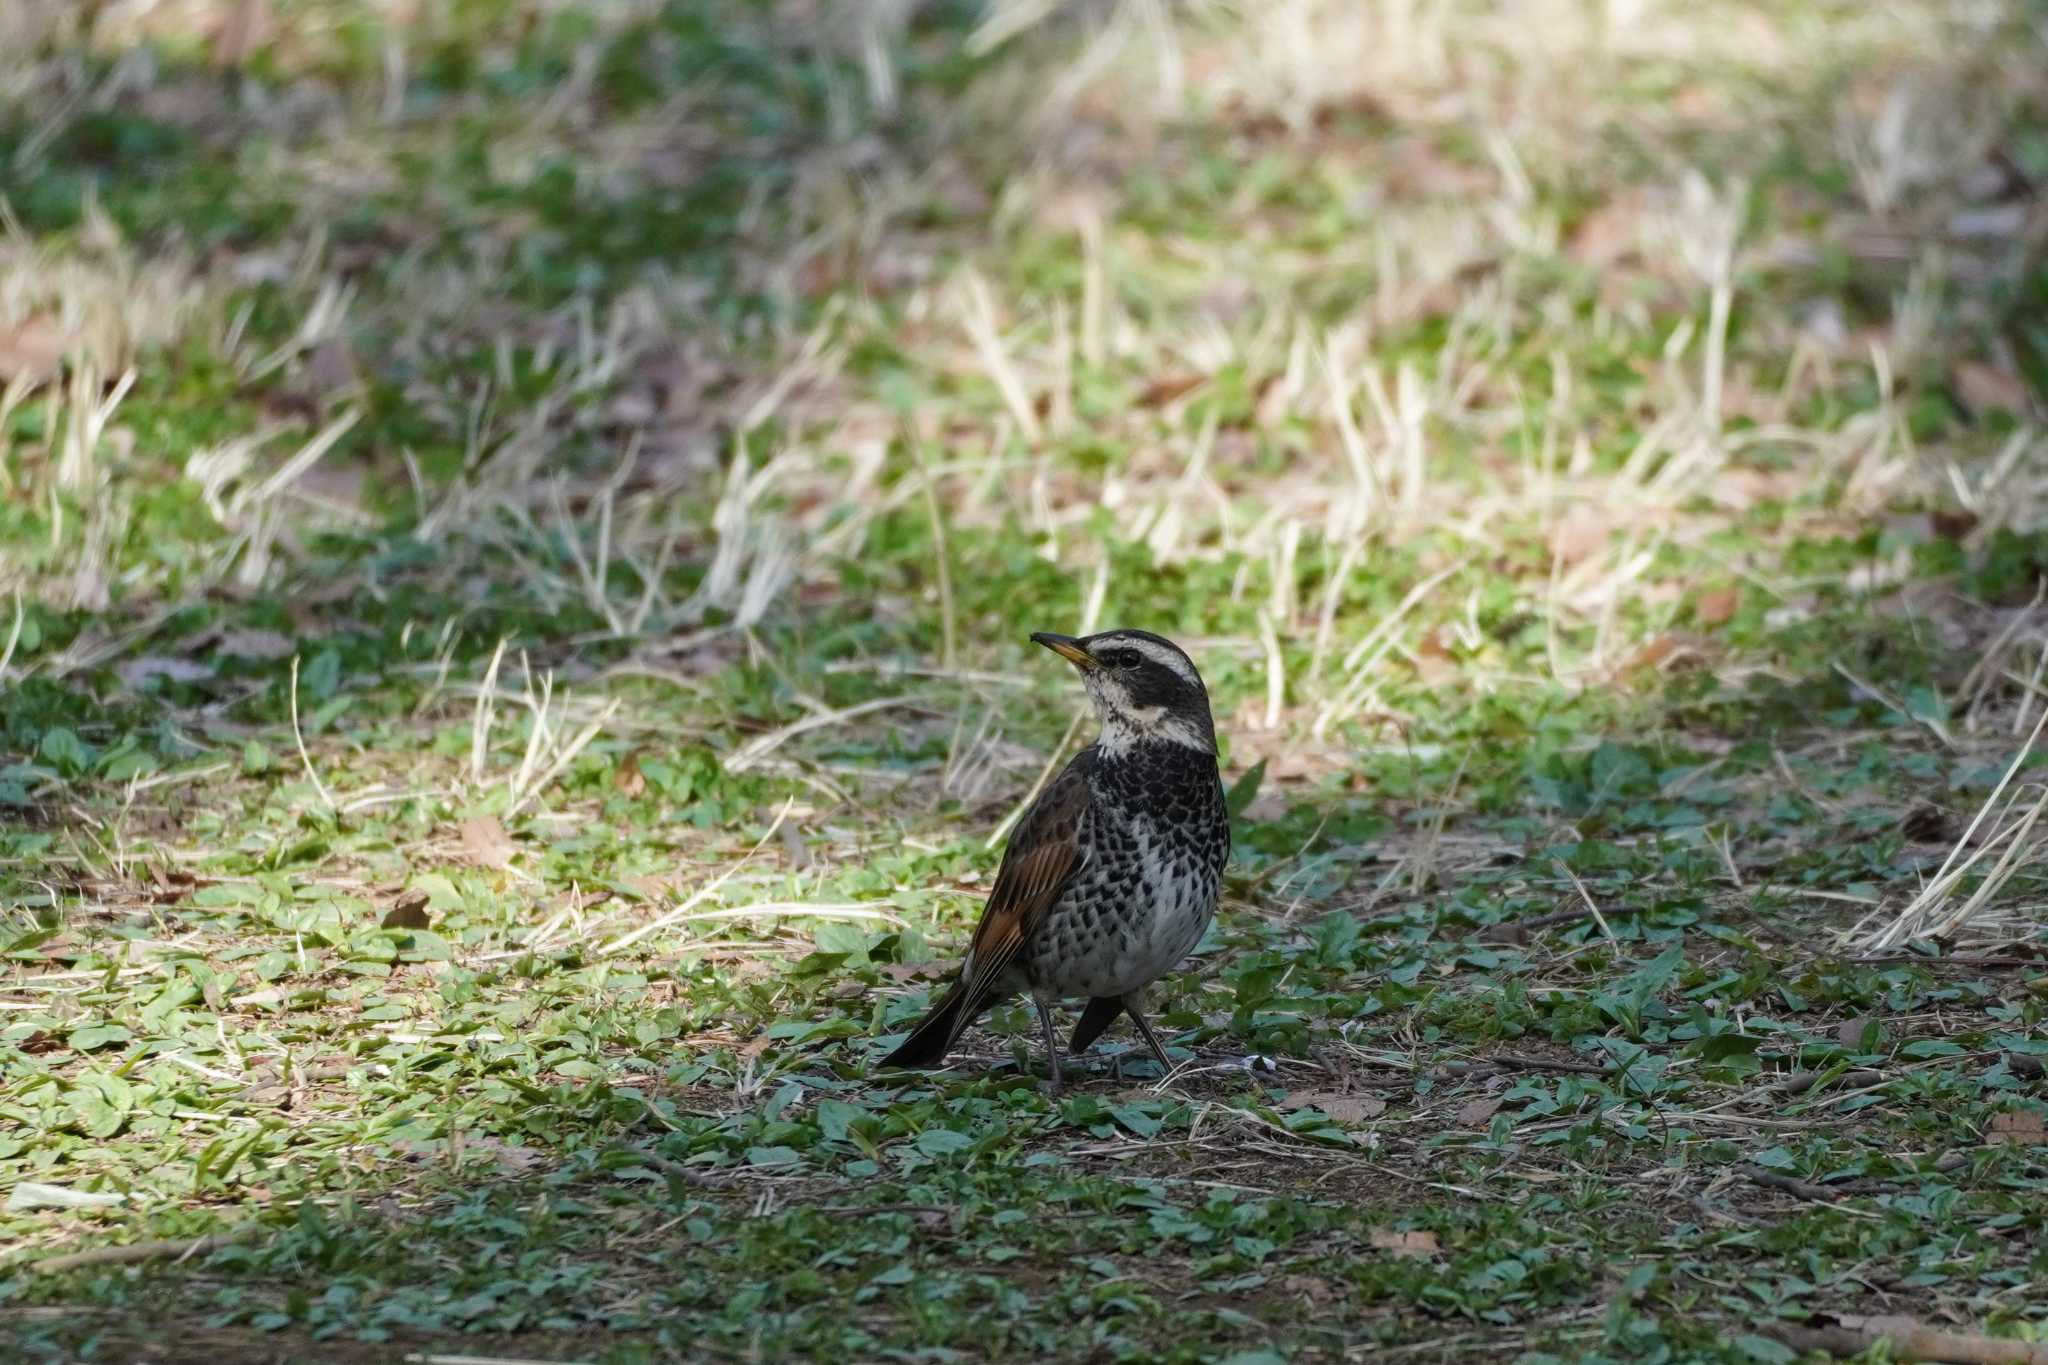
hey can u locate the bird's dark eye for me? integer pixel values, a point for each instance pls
(1122, 658)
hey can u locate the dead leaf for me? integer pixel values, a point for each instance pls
(1415, 1242)
(1168, 387)
(1479, 1112)
(409, 913)
(1850, 1034)
(1343, 1108)
(1314, 1288)
(628, 778)
(32, 349)
(2018, 1128)
(1988, 388)
(1653, 653)
(1712, 608)
(1578, 535)
(511, 1157)
(1608, 233)
(485, 843)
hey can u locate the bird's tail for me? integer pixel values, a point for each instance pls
(1101, 1013)
(933, 1037)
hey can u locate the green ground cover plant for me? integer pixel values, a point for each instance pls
(519, 525)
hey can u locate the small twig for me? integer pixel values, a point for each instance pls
(689, 1175)
(1825, 1194)
(1959, 960)
(182, 1248)
(1792, 1184)
(887, 1208)
(1851, 1334)
(1525, 1063)
(1521, 931)
(1799, 1082)
(439, 1358)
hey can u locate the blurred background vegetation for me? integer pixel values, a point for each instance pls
(518, 527)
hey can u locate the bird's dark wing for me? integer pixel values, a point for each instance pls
(1045, 852)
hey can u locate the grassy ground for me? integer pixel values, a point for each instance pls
(520, 527)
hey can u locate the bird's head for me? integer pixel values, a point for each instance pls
(1145, 688)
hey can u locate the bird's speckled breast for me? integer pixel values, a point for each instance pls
(1156, 837)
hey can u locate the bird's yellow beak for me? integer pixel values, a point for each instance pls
(1068, 648)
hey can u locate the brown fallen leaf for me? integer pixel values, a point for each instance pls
(1168, 387)
(1314, 1288)
(1415, 1242)
(1479, 1112)
(511, 1157)
(1714, 607)
(1653, 653)
(1986, 388)
(1580, 534)
(409, 913)
(628, 778)
(1343, 1108)
(2017, 1128)
(1608, 233)
(485, 843)
(31, 349)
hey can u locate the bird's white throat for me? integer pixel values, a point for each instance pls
(1130, 726)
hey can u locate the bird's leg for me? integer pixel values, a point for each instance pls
(1151, 1038)
(1052, 1049)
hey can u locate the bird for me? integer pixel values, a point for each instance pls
(1112, 874)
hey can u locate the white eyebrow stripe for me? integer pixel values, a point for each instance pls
(1158, 654)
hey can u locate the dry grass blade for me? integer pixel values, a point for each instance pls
(761, 746)
(702, 893)
(1932, 911)
(299, 738)
(978, 315)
